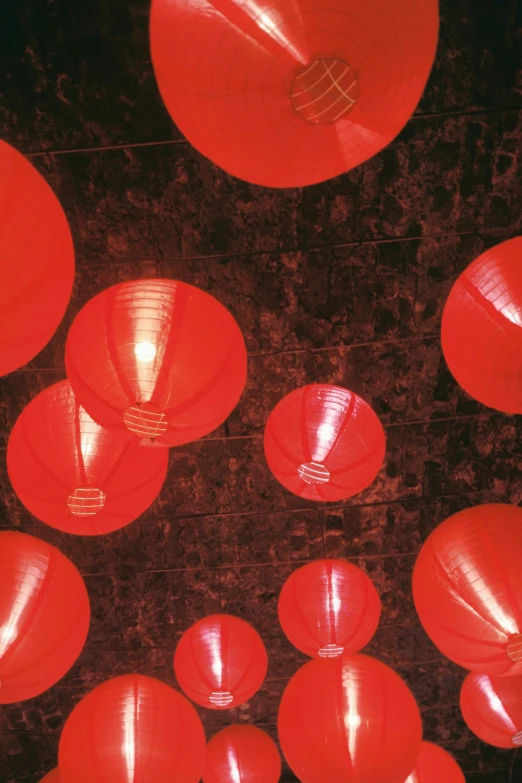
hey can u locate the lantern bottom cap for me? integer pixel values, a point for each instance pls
(221, 698)
(313, 473)
(517, 739)
(514, 648)
(86, 501)
(330, 651)
(145, 420)
(324, 90)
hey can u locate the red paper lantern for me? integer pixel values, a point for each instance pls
(492, 708)
(482, 328)
(329, 607)
(132, 729)
(349, 720)
(292, 92)
(323, 442)
(52, 777)
(158, 358)
(73, 474)
(44, 616)
(241, 754)
(467, 586)
(435, 765)
(220, 662)
(37, 268)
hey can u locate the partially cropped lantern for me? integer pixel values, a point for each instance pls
(349, 720)
(492, 708)
(52, 777)
(241, 754)
(132, 729)
(36, 261)
(293, 92)
(329, 607)
(44, 616)
(467, 587)
(220, 662)
(435, 765)
(482, 328)
(75, 475)
(324, 442)
(158, 358)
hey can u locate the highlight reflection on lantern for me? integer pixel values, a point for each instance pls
(241, 754)
(492, 708)
(467, 587)
(159, 358)
(294, 92)
(220, 662)
(435, 765)
(324, 442)
(131, 729)
(482, 328)
(329, 607)
(44, 616)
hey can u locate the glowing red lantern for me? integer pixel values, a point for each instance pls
(329, 607)
(291, 93)
(44, 616)
(349, 720)
(75, 475)
(324, 442)
(435, 765)
(241, 754)
(492, 708)
(158, 358)
(467, 587)
(482, 328)
(220, 662)
(52, 777)
(132, 729)
(37, 269)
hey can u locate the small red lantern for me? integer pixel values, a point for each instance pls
(44, 616)
(482, 328)
(75, 475)
(291, 93)
(241, 754)
(220, 662)
(132, 729)
(52, 777)
(349, 720)
(492, 708)
(329, 607)
(467, 587)
(435, 765)
(324, 442)
(37, 268)
(158, 358)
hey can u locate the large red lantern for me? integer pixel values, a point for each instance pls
(324, 442)
(435, 765)
(75, 475)
(349, 720)
(482, 328)
(44, 616)
(132, 729)
(492, 708)
(159, 358)
(241, 754)
(329, 607)
(220, 662)
(52, 777)
(37, 261)
(293, 92)
(467, 587)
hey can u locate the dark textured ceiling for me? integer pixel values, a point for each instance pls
(342, 282)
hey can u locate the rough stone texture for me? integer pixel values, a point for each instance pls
(343, 282)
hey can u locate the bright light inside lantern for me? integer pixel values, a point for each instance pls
(145, 352)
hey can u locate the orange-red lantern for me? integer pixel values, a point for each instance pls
(324, 442)
(44, 616)
(37, 261)
(293, 92)
(349, 720)
(132, 729)
(482, 328)
(220, 662)
(159, 358)
(329, 607)
(467, 587)
(75, 475)
(52, 777)
(241, 754)
(492, 708)
(435, 765)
